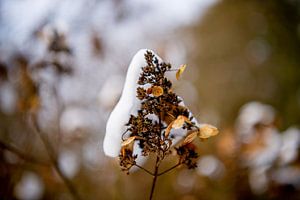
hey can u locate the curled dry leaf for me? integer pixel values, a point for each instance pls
(128, 141)
(123, 151)
(168, 129)
(180, 71)
(207, 131)
(193, 135)
(178, 123)
(157, 91)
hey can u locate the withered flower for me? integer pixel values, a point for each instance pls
(154, 127)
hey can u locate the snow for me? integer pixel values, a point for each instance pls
(127, 105)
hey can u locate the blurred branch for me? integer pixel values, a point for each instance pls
(20, 154)
(147, 171)
(53, 157)
(159, 174)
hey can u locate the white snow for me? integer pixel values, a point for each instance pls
(128, 104)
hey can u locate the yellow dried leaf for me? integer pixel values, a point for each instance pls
(180, 71)
(178, 123)
(168, 129)
(190, 137)
(207, 131)
(123, 151)
(157, 91)
(128, 141)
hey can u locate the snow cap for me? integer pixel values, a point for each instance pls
(127, 105)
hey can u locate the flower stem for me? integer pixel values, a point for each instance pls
(159, 174)
(147, 171)
(154, 177)
(53, 158)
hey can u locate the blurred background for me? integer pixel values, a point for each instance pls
(65, 62)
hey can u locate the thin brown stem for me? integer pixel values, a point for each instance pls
(53, 158)
(21, 154)
(154, 177)
(147, 171)
(164, 172)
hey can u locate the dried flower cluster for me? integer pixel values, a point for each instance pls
(161, 111)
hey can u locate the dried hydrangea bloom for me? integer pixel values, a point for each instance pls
(150, 119)
(148, 106)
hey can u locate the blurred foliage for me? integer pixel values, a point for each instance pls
(241, 51)
(248, 50)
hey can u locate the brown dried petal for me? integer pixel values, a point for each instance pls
(178, 123)
(168, 129)
(207, 131)
(190, 137)
(128, 141)
(180, 71)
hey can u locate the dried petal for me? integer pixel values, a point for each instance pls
(178, 123)
(180, 71)
(168, 129)
(157, 91)
(149, 90)
(207, 131)
(128, 141)
(190, 137)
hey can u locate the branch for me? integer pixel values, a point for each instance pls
(155, 177)
(20, 154)
(53, 157)
(159, 174)
(147, 171)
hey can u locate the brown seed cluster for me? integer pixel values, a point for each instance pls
(160, 111)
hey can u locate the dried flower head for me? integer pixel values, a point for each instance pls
(160, 121)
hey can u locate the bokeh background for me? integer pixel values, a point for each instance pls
(65, 63)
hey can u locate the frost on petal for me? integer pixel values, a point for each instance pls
(127, 105)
